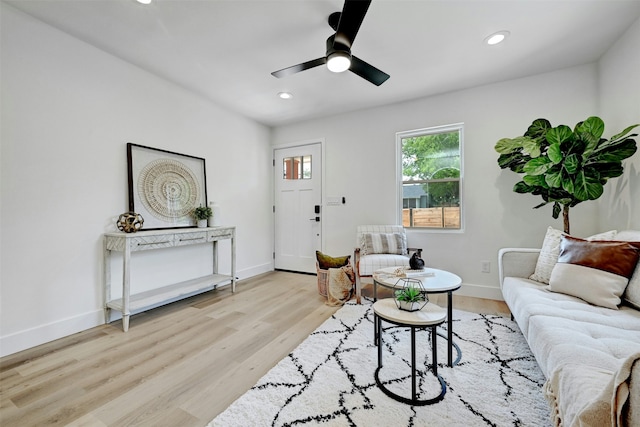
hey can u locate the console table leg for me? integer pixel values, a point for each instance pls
(125, 322)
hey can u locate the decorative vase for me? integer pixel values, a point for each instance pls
(202, 223)
(416, 262)
(214, 220)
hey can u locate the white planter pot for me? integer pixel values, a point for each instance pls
(410, 306)
(202, 223)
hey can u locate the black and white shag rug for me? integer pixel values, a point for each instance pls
(328, 379)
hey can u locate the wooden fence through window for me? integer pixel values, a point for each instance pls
(442, 217)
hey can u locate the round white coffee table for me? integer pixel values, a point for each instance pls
(434, 281)
(429, 316)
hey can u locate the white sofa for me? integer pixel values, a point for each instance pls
(590, 355)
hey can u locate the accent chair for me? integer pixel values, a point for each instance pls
(378, 246)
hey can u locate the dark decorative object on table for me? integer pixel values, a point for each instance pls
(130, 222)
(416, 262)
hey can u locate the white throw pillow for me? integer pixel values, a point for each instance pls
(550, 250)
(597, 272)
(384, 243)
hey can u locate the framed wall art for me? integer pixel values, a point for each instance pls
(165, 187)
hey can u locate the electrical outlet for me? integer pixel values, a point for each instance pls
(486, 267)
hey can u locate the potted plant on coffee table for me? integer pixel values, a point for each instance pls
(410, 295)
(201, 215)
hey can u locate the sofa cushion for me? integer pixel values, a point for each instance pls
(384, 243)
(551, 249)
(632, 294)
(597, 272)
(558, 341)
(527, 298)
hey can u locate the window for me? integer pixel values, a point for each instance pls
(297, 167)
(430, 174)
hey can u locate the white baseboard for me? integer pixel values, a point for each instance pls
(255, 271)
(42, 334)
(480, 291)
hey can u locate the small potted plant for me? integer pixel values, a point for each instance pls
(202, 214)
(411, 297)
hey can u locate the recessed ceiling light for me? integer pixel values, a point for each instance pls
(496, 38)
(285, 95)
(144, 1)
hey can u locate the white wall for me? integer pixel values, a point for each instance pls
(619, 92)
(68, 110)
(360, 159)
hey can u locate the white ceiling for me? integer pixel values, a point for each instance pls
(225, 50)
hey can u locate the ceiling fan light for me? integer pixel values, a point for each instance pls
(338, 62)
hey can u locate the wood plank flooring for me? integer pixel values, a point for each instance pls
(179, 365)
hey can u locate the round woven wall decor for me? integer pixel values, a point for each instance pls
(168, 189)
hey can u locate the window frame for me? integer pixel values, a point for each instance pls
(459, 127)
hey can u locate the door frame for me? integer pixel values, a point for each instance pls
(294, 144)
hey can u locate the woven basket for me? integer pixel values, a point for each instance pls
(323, 280)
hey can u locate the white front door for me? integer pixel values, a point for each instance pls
(298, 200)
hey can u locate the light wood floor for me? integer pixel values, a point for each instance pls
(179, 365)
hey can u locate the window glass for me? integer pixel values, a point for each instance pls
(297, 167)
(431, 173)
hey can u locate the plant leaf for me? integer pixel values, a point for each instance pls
(538, 128)
(623, 133)
(521, 187)
(590, 131)
(587, 187)
(559, 134)
(556, 210)
(535, 180)
(571, 164)
(609, 170)
(507, 145)
(622, 149)
(513, 161)
(554, 153)
(531, 147)
(553, 179)
(537, 166)
(567, 184)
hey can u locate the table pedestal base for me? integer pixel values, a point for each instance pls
(413, 400)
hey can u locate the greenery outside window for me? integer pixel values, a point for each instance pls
(430, 177)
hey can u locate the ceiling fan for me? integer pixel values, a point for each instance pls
(338, 57)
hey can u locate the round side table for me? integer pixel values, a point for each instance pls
(434, 281)
(430, 316)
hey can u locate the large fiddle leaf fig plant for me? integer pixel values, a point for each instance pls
(565, 166)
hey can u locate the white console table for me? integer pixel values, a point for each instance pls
(160, 239)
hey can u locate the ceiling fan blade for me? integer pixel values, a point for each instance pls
(367, 71)
(300, 67)
(351, 18)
